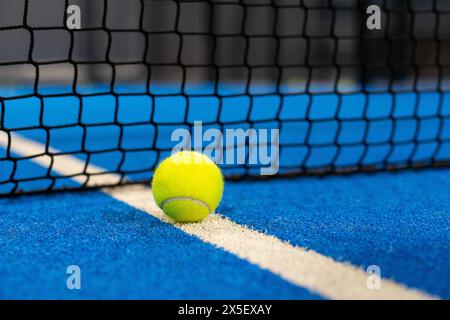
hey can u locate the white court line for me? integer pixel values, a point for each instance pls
(305, 268)
(62, 164)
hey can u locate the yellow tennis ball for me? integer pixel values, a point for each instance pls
(187, 186)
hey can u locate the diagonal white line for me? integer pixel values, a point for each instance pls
(62, 164)
(297, 265)
(302, 267)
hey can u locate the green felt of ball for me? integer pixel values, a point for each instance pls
(187, 186)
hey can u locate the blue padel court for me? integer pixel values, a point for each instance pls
(323, 130)
(398, 221)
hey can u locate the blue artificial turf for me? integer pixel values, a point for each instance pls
(398, 221)
(123, 253)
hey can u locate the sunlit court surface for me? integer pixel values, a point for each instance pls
(329, 120)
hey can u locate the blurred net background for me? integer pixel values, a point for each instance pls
(345, 98)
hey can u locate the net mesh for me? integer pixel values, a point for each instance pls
(109, 95)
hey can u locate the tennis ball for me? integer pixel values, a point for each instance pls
(187, 186)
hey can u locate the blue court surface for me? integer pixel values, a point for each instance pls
(332, 227)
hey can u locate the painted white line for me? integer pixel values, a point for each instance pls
(62, 164)
(305, 268)
(302, 267)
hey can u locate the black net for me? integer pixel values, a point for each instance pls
(105, 99)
